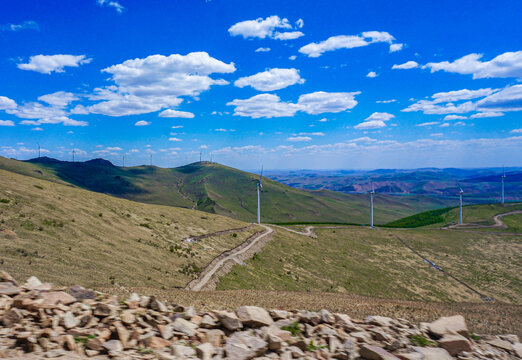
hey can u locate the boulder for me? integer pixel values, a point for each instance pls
(113, 347)
(378, 320)
(157, 305)
(9, 289)
(103, 310)
(455, 344)
(229, 320)
(430, 353)
(32, 283)
(241, 346)
(449, 325)
(205, 351)
(502, 344)
(69, 321)
(371, 352)
(53, 298)
(12, 317)
(184, 326)
(165, 331)
(155, 342)
(80, 293)
(254, 316)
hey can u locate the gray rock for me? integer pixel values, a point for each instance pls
(183, 351)
(157, 305)
(184, 326)
(229, 320)
(54, 353)
(455, 344)
(433, 353)
(241, 346)
(208, 322)
(327, 317)
(449, 325)
(205, 351)
(254, 316)
(371, 352)
(69, 321)
(113, 347)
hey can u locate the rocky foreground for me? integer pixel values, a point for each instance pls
(42, 321)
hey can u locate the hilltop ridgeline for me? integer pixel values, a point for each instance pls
(219, 189)
(40, 319)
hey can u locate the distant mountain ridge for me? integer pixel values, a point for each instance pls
(479, 184)
(219, 189)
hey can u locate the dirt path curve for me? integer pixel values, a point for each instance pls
(497, 219)
(308, 231)
(232, 255)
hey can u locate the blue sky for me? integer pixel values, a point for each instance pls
(290, 84)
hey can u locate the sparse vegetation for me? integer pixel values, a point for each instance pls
(293, 328)
(419, 340)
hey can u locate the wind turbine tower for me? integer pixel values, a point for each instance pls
(38, 150)
(460, 205)
(503, 177)
(372, 193)
(73, 152)
(259, 187)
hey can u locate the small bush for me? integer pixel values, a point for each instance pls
(293, 328)
(234, 235)
(145, 225)
(4, 201)
(38, 187)
(475, 337)
(100, 214)
(313, 347)
(420, 340)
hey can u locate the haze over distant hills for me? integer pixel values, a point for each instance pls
(219, 189)
(481, 184)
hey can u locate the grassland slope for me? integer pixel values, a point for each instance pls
(219, 189)
(69, 235)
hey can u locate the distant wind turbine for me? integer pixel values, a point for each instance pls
(38, 150)
(259, 187)
(460, 205)
(73, 152)
(503, 177)
(372, 193)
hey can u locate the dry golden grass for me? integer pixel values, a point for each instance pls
(492, 318)
(374, 263)
(68, 235)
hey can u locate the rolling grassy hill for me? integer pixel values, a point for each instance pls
(219, 189)
(69, 235)
(471, 214)
(375, 263)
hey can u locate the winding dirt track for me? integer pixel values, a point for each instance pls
(499, 224)
(207, 275)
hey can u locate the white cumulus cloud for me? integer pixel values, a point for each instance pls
(327, 102)
(346, 42)
(454, 117)
(508, 64)
(371, 74)
(372, 124)
(259, 28)
(263, 49)
(176, 114)
(407, 65)
(112, 3)
(142, 123)
(6, 123)
(46, 64)
(7, 103)
(59, 99)
(299, 138)
(396, 47)
(272, 79)
(264, 105)
(157, 82)
(288, 35)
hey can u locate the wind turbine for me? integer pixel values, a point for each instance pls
(372, 193)
(503, 177)
(38, 150)
(460, 205)
(259, 187)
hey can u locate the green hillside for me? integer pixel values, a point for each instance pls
(68, 235)
(219, 189)
(471, 214)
